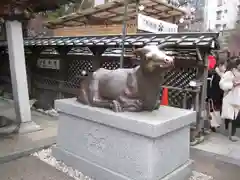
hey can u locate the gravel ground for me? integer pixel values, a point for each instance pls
(46, 156)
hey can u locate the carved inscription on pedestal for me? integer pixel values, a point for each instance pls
(96, 142)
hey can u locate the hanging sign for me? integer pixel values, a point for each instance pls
(149, 24)
(48, 63)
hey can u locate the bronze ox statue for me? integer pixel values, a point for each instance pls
(134, 89)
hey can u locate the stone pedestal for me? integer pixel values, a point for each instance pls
(124, 146)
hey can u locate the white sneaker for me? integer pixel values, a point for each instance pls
(52, 112)
(234, 138)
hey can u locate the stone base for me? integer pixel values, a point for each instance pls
(28, 127)
(101, 173)
(8, 112)
(9, 126)
(124, 146)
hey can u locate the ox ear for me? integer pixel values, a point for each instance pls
(140, 51)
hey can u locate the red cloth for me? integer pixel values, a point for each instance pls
(164, 100)
(211, 62)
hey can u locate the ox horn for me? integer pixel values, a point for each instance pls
(164, 45)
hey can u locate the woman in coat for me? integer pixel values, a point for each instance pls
(215, 93)
(230, 84)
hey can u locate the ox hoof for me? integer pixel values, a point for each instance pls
(139, 103)
(116, 106)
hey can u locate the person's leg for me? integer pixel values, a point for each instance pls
(234, 127)
(207, 121)
(213, 129)
(232, 130)
(227, 123)
(217, 113)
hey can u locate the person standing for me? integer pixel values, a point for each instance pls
(230, 84)
(215, 94)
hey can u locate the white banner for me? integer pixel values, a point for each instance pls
(149, 24)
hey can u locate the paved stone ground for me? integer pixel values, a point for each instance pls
(30, 168)
(215, 157)
(16, 146)
(21, 145)
(210, 165)
(46, 156)
(219, 146)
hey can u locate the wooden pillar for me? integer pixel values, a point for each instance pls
(64, 65)
(97, 52)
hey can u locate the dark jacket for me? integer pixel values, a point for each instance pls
(213, 90)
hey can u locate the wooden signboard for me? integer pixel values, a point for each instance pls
(115, 29)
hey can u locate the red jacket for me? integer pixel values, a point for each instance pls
(211, 62)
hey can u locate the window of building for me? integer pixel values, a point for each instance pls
(88, 4)
(218, 27)
(219, 15)
(238, 9)
(225, 11)
(224, 26)
(107, 1)
(220, 2)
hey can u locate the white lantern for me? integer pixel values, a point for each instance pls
(141, 8)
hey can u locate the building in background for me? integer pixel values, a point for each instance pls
(194, 20)
(197, 8)
(221, 14)
(210, 15)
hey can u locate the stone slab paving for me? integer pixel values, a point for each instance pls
(46, 156)
(16, 146)
(30, 168)
(210, 157)
(210, 165)
(219, 146)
